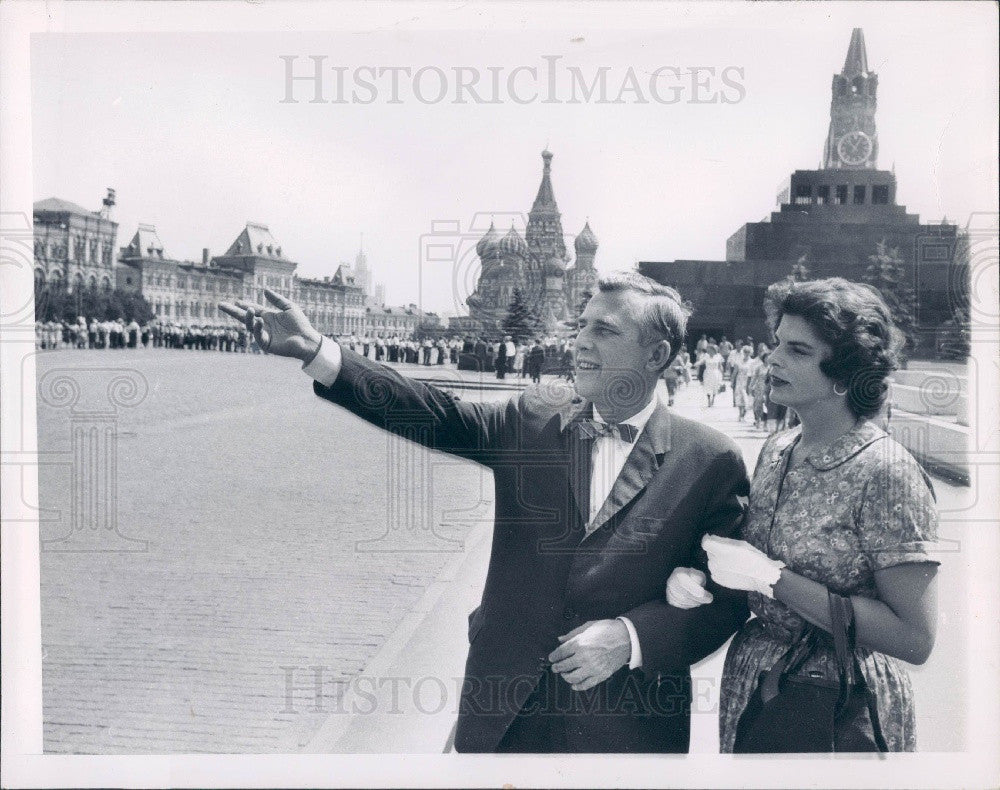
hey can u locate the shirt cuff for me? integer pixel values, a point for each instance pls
(635, 660)
(325, 366)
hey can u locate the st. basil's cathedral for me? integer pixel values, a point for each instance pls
(538, 263)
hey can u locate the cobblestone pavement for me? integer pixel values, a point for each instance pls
(276, 564)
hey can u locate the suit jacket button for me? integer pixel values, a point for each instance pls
(569, 614)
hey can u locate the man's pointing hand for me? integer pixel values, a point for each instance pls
(281, 329)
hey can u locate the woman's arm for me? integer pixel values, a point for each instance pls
(902, 624)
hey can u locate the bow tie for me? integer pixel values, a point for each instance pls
(593, 429)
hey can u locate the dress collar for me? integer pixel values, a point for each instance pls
(842, 449)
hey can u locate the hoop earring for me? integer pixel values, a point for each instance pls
(838, 392)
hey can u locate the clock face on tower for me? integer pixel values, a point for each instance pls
(854, 148)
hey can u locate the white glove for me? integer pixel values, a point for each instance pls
(739, 566)
(686, 588)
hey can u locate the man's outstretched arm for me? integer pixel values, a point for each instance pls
(376, 393)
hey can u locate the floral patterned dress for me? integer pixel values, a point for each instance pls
(861, 505)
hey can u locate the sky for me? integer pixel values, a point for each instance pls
(191, 129)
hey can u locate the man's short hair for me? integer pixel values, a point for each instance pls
(664, 314)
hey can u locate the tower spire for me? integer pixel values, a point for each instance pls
(852, 142)
(856, 62)
(545, 199)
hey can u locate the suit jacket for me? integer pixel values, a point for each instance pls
(547, 575)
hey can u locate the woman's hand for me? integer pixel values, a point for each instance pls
(738, 565)
(686, 588)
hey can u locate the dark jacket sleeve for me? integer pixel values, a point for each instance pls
(417, 411)
(673, 639)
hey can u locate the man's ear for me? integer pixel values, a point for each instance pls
(659, 356)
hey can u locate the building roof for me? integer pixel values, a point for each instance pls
(255, 239)
(62, 206)
(145, 243)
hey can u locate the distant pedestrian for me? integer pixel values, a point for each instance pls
(536, 358)
(712, 374)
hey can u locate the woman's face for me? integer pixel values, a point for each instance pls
(794, 373)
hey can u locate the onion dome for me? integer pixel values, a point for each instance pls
(513, 243)
(586, 241)
(488, 243)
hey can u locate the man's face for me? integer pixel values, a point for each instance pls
(610, 361)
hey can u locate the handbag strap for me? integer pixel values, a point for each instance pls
(849, 670)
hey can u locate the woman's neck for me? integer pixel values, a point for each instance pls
(823, 423)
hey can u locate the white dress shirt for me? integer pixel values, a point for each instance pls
(608, 456)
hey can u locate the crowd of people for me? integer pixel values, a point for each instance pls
(116, 333)
(504, 356)
(740, 367)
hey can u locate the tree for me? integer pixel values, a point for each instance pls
(56, 303)
(522, 322)
(887, 272)
(953, 337)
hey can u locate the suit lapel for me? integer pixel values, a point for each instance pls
(639, 468)
(579, 451)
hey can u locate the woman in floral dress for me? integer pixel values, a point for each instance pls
(835, 504)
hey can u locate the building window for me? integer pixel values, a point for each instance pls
(880, 194)
(859, 194)
(840, 198)
(823, 194)
(803, 195)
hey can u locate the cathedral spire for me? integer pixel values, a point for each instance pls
(545, 200)
(856, 62)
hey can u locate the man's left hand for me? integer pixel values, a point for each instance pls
(591, 653)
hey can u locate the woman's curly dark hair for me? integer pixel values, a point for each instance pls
(855, 321)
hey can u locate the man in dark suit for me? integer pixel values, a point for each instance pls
(600, 494)
(536, 358)
(501, 359)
